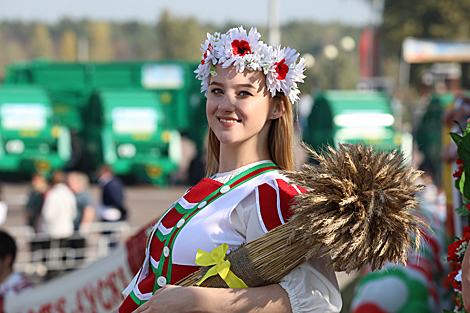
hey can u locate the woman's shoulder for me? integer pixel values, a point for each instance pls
(274, 200)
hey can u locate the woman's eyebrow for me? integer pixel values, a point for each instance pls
(246, 85)
(238, 85)
(216, 83)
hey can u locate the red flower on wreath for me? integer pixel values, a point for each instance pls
(281, 69)
(209, 49)
(240, 47)
(458, 173)
(466, 231)
(451, 279)
(451, 276)
(452, 250)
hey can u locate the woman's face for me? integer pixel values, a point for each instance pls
(240, 108)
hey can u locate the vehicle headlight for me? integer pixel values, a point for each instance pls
(14, 146)
(126, 150)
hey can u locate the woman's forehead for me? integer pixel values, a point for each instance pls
(230, 74)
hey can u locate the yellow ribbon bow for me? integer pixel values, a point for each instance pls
(220, 266)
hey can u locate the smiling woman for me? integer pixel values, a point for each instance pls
(249, 88)
(240, 111)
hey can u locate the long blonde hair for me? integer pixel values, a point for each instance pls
(280, 141)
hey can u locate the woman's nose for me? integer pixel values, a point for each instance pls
(227, 103)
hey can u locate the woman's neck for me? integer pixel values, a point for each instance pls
(232, 156)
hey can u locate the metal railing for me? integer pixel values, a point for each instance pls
(39, 255)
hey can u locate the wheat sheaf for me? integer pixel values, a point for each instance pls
(358, 210)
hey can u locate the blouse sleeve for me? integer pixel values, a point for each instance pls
(312, 287)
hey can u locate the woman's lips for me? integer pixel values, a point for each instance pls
(228, 121)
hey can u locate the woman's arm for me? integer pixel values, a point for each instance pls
(269, 299)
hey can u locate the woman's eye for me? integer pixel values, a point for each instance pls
(216, 91)
(245, 93)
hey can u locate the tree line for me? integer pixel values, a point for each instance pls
(171, 37)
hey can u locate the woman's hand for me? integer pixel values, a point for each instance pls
(177, 299)
(169, 298)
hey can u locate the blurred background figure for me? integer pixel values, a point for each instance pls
(59, 210)
(112, 207)
(11, 283)
(32, 208)
(459, 113)
(3, 209)
(79, 184)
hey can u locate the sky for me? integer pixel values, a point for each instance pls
(253, 12)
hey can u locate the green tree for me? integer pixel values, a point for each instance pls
(423, 19)
(179, 38)
(101, 46)
(41, 46)
(68, 46)
(310, 37)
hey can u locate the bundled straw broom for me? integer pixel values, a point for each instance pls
(357, 210)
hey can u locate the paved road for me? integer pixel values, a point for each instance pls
(144, 202)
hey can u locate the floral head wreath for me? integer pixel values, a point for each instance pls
(246, 51)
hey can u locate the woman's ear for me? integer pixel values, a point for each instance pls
(278, 107)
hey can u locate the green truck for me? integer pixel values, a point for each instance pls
(29, 139)
(348, 116)
(129, 115)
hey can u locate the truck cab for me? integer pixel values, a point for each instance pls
(29, 140)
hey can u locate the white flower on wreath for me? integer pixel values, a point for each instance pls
(284, 74)
(208, 60)
(239, 48)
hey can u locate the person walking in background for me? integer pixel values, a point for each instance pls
(33, 206)
(112, 207)
(11, 283)
(59, 210)
(78, 183)
(3, 209)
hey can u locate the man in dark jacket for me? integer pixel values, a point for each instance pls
(112, 208)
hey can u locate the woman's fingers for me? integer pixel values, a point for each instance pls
(142, 308)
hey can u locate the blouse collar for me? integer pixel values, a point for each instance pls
(226, 176)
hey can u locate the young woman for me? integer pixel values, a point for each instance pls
(249, 87)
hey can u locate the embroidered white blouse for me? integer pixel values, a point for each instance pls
(312, 287)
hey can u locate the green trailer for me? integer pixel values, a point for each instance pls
(29, 140)
(76, 88)
(350, 116)
(128, 129)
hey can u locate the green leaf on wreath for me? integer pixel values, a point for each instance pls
(447, 311)
(464, 154)
(462, 211)
(462, 183)
(457, 183)
(460, 126)
(467, 130)
(456, 138)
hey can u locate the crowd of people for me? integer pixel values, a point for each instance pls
(59, 209)
(64, 205)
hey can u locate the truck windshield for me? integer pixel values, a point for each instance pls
(134, 120)
(17, 116)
